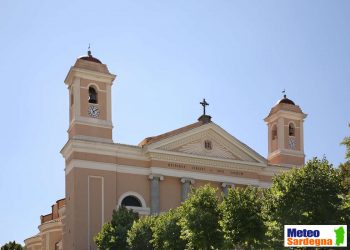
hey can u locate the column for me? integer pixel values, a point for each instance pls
(155, 204)
(186, 186)
(226, 186)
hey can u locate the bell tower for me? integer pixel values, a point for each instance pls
(90, 111)
(286, 134)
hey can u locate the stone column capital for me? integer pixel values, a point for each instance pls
(228, 184)
(155, 176)
(187, 180)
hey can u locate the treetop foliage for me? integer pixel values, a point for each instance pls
(248, 218)
(12, 245)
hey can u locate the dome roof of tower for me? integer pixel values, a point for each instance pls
(90, 58)
(286, 100)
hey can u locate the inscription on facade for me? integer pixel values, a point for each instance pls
(176, 165)
(204, 169)
(236, 173)
(198, 168)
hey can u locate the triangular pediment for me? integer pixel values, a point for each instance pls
(207, 141)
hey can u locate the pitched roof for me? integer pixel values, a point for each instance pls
(153, 139)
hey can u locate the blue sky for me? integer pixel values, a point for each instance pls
(167, 55)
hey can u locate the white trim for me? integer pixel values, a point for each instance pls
(144, 210)
(111, 149)
(50, 226)
(286, 152)
(76, 89)
(302, 136)
(162, 171)
(47, 238)
(132, 193)
(94, 84)
(293, 115)
(184, 180)
(217, 129)
(89, 74)
(140, 210)
(91, 121)
(161, 177)
(102, 205)
(227, 184)
(109, 103)
(107, 167)
(164, 152)
(92, 138)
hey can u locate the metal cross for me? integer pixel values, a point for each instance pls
(284, 93)
(89, 50)
(204, 103)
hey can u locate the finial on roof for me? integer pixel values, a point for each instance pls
(204, 118)
(284, 93)
(89, 51)
(204, 103)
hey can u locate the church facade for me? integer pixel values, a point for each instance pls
(158, 173)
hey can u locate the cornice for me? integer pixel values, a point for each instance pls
(108, 149)
(285, 114)
(288, 152)
(164, 172)
(50, 226)
(205, 161)
(91, 122)
(88, 74)
(212, 129)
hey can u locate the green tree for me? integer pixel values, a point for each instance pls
(114, 234)
(12, 245)
(346, 142)
(166, 232)
(140, 234)
(310, 195)
(344, 171)
(242, 219)
(200, 216)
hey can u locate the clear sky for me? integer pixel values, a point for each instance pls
(167, 55)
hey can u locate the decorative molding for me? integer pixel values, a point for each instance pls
(102, 148)
(91, 122)
(285, 114)
(210, 130)
(296, 153)
(191, 181)
(88, 201)
(197, 148)
(92, 138)
(205, 161)
(192, 144)
(152, 176)
(164, 172)
(132, 193)
(227, 184)
(89, 74)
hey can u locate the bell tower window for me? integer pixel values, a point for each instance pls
(274, 132)
(92, 95)
(291, 129)
(71, 99)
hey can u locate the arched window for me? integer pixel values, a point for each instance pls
(131, 201)
(92, 95)
(291, 129)
(274, 132)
